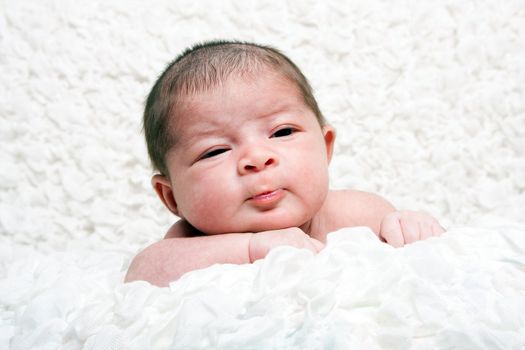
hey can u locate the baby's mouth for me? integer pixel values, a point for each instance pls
(267, 198)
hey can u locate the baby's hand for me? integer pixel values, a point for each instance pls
(402, 227)
(261, 243)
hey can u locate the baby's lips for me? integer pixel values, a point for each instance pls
(264, 194)
(268, 198)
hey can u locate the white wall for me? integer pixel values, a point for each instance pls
(427, 97)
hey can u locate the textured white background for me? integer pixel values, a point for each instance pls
(427, 97)
(429, 103)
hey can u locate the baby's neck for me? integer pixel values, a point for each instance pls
(315, 228)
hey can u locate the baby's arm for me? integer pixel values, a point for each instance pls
(357, 208)
(167, 260)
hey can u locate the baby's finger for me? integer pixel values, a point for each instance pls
(437, 229)
(391, 231)
(318, 245)
(410, 230)
(425, 229)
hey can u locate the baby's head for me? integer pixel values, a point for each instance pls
(204, 67)
(238, 139)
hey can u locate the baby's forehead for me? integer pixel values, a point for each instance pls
(199, 84)
(197, 106)
(187, 98)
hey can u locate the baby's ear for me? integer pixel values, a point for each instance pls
(162, 186)
(329, 140)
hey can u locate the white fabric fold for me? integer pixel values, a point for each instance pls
(465, 289)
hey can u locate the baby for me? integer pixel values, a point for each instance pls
(242, 152)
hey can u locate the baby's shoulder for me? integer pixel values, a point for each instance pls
(344, 208)
(348, 197)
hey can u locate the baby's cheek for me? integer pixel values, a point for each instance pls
(207, 206)
(314, 181)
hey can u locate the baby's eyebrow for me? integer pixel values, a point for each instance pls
(278, 109)
(198, 132)
(209, 129)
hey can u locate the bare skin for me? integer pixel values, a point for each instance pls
(249, 173)
(185, 249)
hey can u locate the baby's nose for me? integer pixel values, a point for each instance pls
(256, 159)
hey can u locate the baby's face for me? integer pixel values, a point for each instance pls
(250, 157)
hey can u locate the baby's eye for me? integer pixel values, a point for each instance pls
(284, 132)
(213, 153)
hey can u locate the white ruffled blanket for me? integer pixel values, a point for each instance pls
(464, 290)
